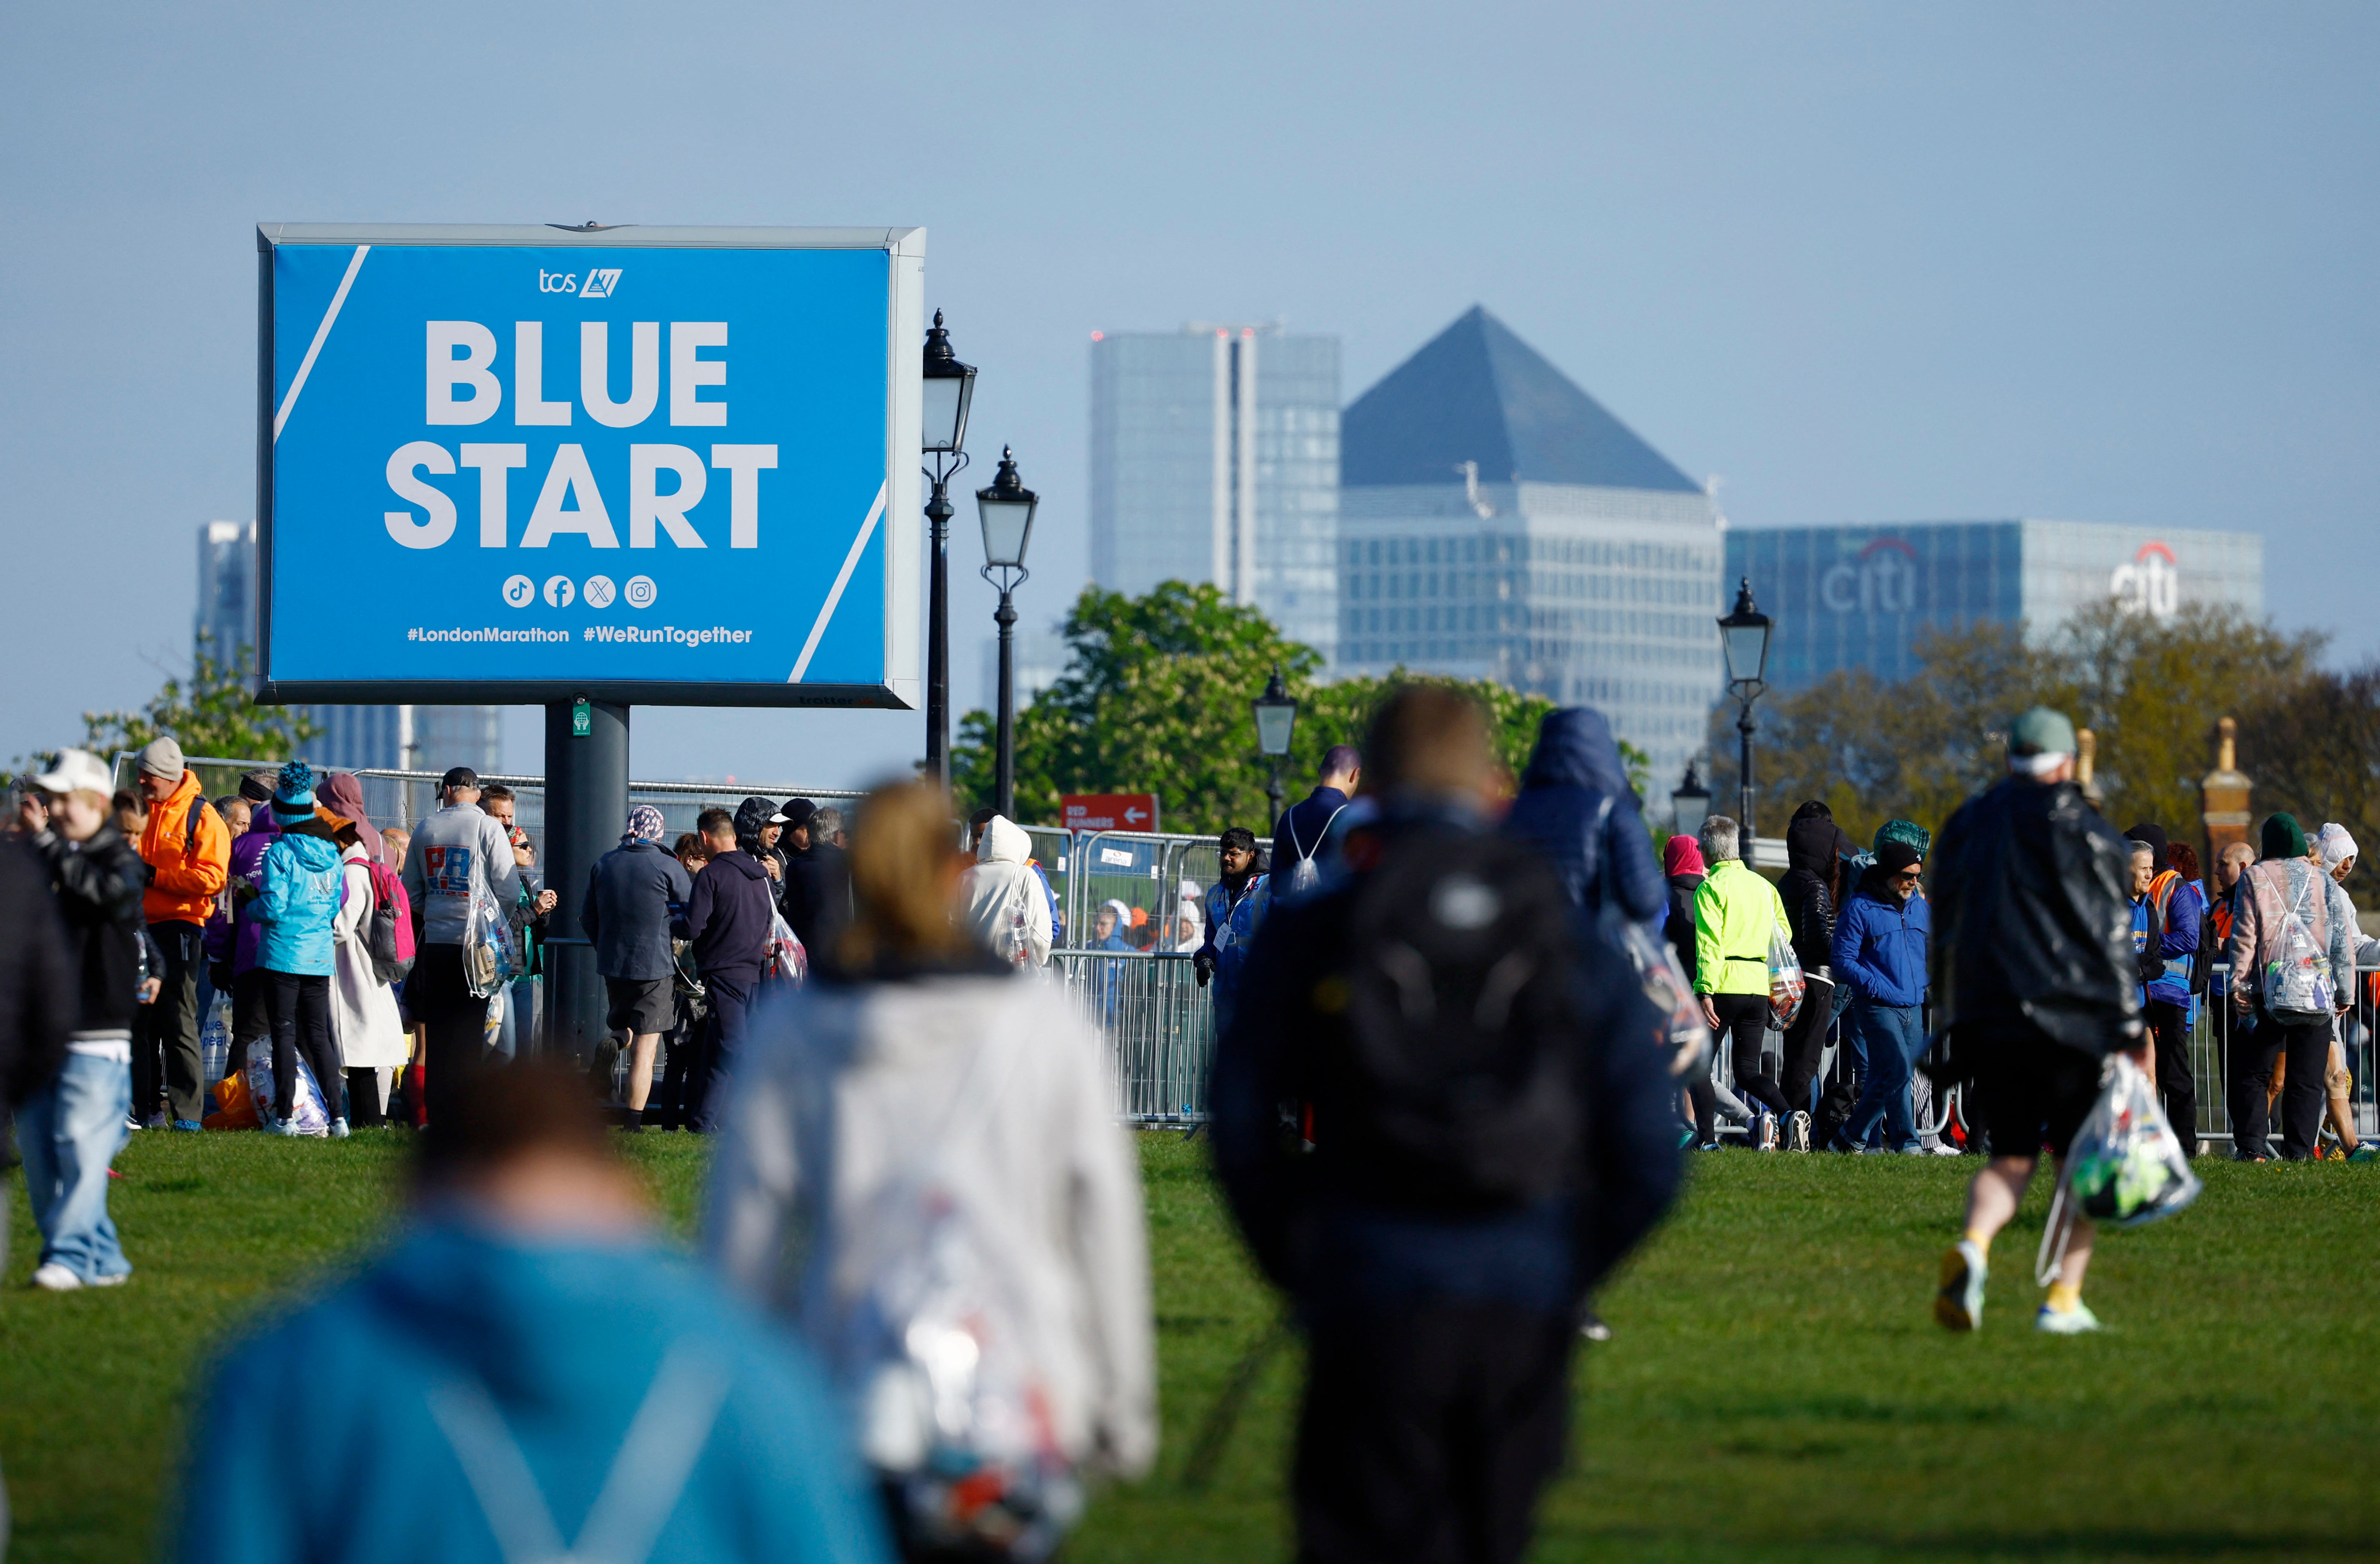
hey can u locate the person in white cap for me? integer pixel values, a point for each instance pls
(188, 848)
(71, 1128)
(2338, 850)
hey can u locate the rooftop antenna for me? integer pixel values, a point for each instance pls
(1480, 507)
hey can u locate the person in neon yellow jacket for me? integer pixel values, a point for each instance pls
(1736, 911)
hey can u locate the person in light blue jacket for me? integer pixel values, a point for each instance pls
(528, 1372)
(1879, 952)
(296, 899)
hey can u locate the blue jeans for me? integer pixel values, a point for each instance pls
(1893, 1037)
(68, 1132)
(517, 1028)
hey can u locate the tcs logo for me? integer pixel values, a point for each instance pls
(2151, 584)
(597, 283)
(1882, 579)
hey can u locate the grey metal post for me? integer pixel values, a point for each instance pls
(1744, 726)
(938, 512)
(586, 807)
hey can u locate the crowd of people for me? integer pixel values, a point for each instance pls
(1465, 1031)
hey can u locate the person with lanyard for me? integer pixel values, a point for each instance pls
(1234, 908)
(2172, 918)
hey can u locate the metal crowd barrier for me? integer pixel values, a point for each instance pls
(1160, 1026)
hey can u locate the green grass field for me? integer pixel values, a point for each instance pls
(1775, 1388)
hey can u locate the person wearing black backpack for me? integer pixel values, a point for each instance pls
(1492, 1133)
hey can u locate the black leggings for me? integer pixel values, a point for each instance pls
(298, 1007)
(1805, 1041)
(1744, 1019)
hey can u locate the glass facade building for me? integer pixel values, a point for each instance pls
(1496, 522)
(1862, 597)
(416, 737)
(1215, 458)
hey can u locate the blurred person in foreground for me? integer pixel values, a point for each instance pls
(532, 1374)
(2035, 982)
(924, 1179)
(73, 1123)
(1492, 1132)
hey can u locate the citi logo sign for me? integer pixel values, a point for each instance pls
(2151, 584)
(598, 284)
(1881, 578)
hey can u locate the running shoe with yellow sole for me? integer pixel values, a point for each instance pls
(1959, 1306)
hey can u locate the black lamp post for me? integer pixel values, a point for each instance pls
(1744, 636)
(949, 388)
(1276, 712)
(1691, 804)
(1007, 511)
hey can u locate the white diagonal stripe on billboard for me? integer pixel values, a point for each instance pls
(835, 593)
(322, 334)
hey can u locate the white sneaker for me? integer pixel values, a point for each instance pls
(338, 1129)
(1944, 1148)
(1797, 1137)
(1765, 1130)
(1959, 1304)
(118, 1279)
(2076, 1321)
(56, 1277)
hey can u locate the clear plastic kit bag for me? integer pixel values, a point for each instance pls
(1786, 983)
(2125, 1168)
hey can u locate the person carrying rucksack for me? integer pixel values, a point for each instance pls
(1003, 898)
(1492, 1132)
(2292, 969)
(923, 1178)
(528, 1371)
(1297, 839)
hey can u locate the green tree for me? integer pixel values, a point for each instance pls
(212, 712)
(1156, 699)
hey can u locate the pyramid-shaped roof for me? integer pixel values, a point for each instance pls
(1476, 392)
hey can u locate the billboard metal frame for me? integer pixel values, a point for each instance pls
(905, 328)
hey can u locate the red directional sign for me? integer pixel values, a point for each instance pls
(1108, 811)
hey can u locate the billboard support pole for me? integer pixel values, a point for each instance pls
(586, 804)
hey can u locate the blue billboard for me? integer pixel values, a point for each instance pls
(647, 465)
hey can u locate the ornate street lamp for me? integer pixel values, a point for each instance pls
(949, 390)
(1744, 637)
(1276, 712)
(1691, 804)
(1006, 510)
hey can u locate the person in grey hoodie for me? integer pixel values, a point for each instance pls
(458, 855)
(632, 893)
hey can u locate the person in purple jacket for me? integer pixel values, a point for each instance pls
(232, 936)
(727, 920)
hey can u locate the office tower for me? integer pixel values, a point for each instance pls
(1215, 457)
(394, 737)
(1496, 522)
(1037, 659)
(1863, 596)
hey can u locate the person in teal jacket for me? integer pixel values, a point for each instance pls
(296, 899)
(526, 1374)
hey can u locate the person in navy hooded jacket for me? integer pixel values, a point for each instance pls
(1880, 949)
(1575, 804)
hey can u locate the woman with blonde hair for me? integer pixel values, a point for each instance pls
(922, 1176)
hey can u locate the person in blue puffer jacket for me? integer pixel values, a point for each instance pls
(1879, 950)
(296, 899)
(1576, 806)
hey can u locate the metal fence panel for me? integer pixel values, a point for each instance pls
(1159, 1027)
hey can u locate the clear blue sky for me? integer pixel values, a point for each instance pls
(2108, 263)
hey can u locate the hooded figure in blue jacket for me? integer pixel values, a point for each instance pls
(1575, 804)
(528, 1372)
(296, 899)
(1879, 952)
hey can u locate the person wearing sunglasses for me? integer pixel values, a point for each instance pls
(1879, 950)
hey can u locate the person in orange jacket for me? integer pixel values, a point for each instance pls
(188, 848)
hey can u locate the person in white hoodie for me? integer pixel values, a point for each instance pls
(1003, 904)
(923, 1177)
(373, 1042)
(2336, 847)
